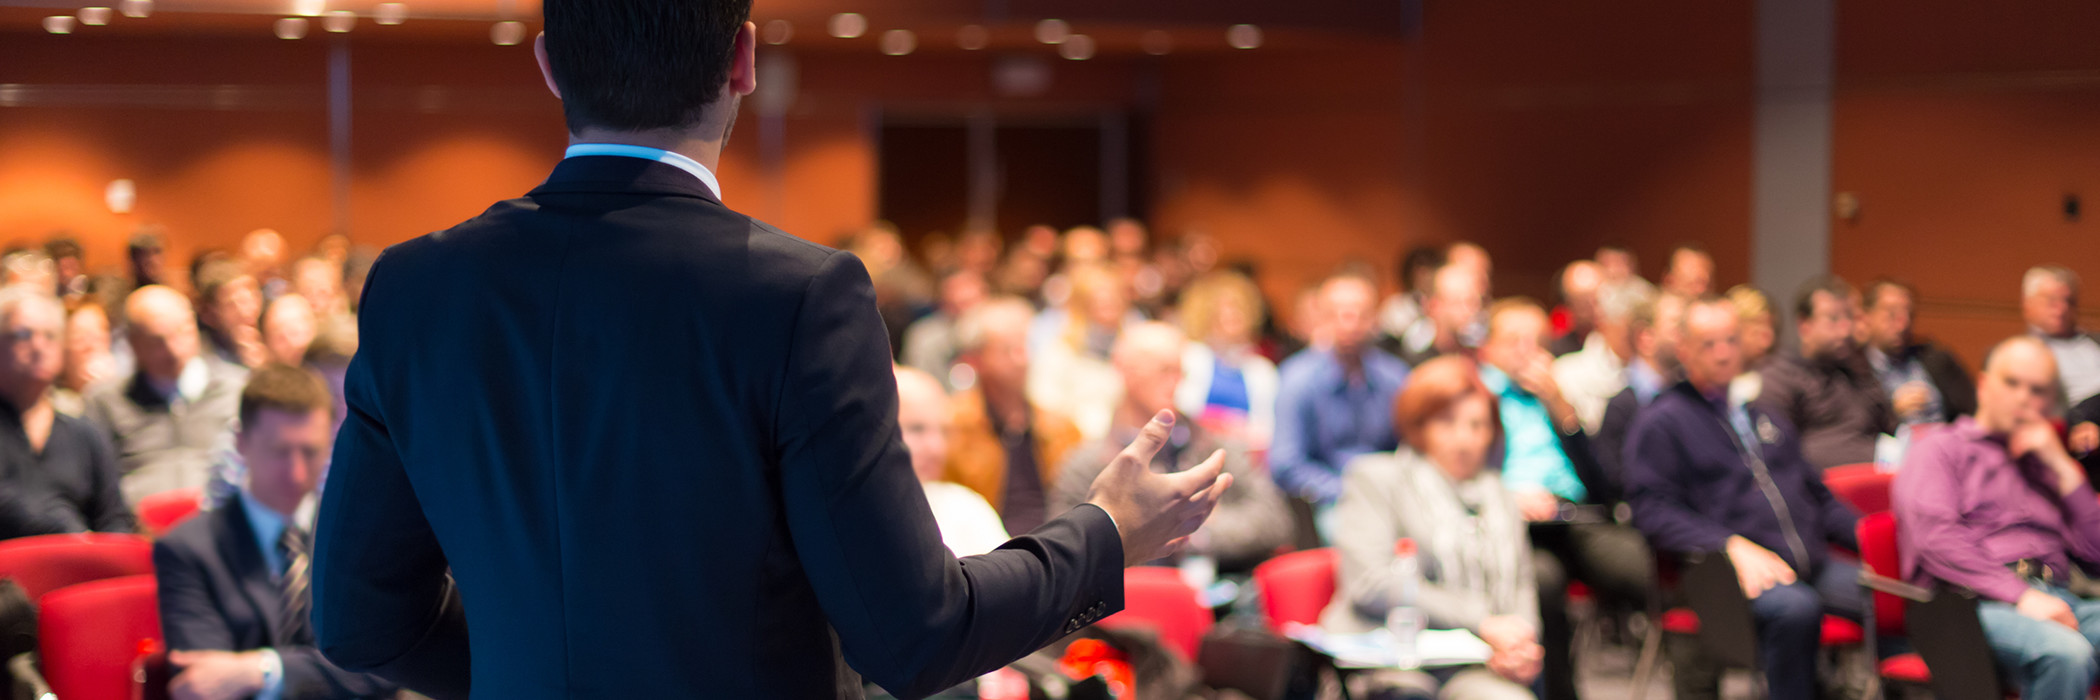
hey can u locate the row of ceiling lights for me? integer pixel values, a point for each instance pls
(972, 37)
(504, 33)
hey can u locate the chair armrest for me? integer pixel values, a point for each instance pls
(29, 682)
(1894, 587)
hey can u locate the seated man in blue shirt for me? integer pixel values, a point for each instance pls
(1335, 400)
(234, 596)
(1546, 465)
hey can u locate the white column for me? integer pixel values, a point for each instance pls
(1790, 151)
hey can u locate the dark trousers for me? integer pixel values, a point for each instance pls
(1790, 626)
(1613, 560)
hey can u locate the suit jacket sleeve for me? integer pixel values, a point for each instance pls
(190, 618)
(1609, 446)
(909, 616)
(382, 600)
(308, 676)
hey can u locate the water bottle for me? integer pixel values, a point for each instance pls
(1404, 620)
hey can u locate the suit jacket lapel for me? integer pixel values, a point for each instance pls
(245, 561)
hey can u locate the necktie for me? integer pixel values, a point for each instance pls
(297, 547)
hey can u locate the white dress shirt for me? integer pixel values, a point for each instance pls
(677, 160)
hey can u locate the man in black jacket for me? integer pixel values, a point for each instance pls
(57, 473)
(642, 446)
(1925, 382)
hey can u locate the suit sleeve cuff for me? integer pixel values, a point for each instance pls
(1104, 537)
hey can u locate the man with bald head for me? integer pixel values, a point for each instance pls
(169, 417)
(1250, 522)
(1456, 295)
(57, 473)
(1995, 505)
(1335, 402)
(968, 524)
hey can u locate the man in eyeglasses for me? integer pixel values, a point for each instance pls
(57, 474)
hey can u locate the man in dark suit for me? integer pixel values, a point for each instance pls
(234, 583)
(643, 446)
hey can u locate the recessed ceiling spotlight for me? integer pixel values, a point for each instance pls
(1243, 36)
(779, 31)
(848, 25)
(95, 16)
(1052, 31)
(136, 9)
(339, 21)
(972, 37)
(289, 28)
(507, 33)
(1157, 42)
(898, 42)
(1077, 47)
(309, 8)
(390, 13)
(59, 24)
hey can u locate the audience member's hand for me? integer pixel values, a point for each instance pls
(2047, 608)
(2085, 437)
(1537, 505)
(215, 675)
(2038, 439)
(1515, 651)
(1155, 513)
(1911, 398)
(1757, 568)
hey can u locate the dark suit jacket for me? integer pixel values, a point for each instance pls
(655, 442)
(1609, 445)
(216, 592)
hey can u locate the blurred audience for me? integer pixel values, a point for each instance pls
(1925, 382)
(929, 343)
(229, 309)
(1652, 332)
(1403, 320)
(1335, 402)
(1456, 299)
(320, 281)
(57, 473)
(1691, 272)
(1759, 333)
(1069, 372)
(167, 418)
(1579, 284)
(148, 259)
(262, 251)
(1591, 376)
(968, 524)
(1708, 477)
(2049, 301)
(88, 359)
(1005, 448)
(288, 327)
(1826, 390)
(1229, 387)
(1470, 541)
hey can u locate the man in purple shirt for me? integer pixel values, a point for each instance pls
(1996, 505)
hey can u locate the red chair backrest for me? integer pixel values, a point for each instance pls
(163, 511)
(1296, 587)
(1860, 486)
(1155, 597)
(47, 563)
(1878, 553)
(88, 635)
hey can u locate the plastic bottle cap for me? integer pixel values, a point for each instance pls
(1404, 548)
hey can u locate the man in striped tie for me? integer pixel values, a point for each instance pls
(234, 582)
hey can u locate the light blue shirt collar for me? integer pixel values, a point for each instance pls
(707, 177)
(269, 528)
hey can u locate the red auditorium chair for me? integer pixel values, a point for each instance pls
(1156, 598)
(161, 512)
(1861, 486)
(1942, 626)
(1296, 587)
(46, 563)
(1719, 615)
(90, 636)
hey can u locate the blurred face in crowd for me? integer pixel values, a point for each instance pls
(235, 304)
(1348, 308)
(1002, 361)
(2052, 308)
(2018, 386)
(31, 345)
(334, 247)
(922, 412)
(33, 271)
(1456, 300)
(1888, 322)
(1475, 258)
(289, 329)
(1023, 274)
(285, 453)
(263, 249)
(978, 252)
(1710, 350)
(961, 292)
(1759, 334)
(1579, 283)
(1085, 244)
(87, 347)
(1148, 356)
(148, 266)
(163, 332)
(321, 282)
(1828, 332)
(1127, 238)
(1691, 273)
(1657, 344)
(1616, 264)
(1458, 438)
(1516, 339)
(1232, 322)
(1100, 296)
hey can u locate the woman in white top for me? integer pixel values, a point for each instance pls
(1227, 386)
(968, 524)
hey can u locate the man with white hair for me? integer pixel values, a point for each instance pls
(57, 474)
(1251, 521)
(1589, 378)
(2049, 301)
(177, 409)
(1005, 447)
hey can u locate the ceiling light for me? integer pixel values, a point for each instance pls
(309, 8)
(972, 37)
(1077, 47)
(1243, 36)
(848, 25)
(290, 28)
(507, 33)
(95, 16)
(1157, 42)
(59, 24)
(1052, 31)
(390, 13)
(136, 9)
(898, 42)
(339, 21)
(779, 31)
